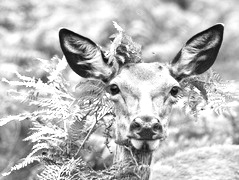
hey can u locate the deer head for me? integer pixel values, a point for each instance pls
(143, 93)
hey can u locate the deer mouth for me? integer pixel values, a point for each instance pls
(146, 145)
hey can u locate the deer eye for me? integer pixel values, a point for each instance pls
(174, 91)
(113, 89)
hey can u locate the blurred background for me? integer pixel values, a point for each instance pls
(29, 30)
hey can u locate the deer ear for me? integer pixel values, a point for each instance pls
(199, 53)
(84, 56)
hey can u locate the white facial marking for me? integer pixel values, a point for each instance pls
(137, 143)
(152, 144)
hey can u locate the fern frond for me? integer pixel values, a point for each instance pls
(23, 163)
(50, 172)
(71, 170)
(117, 27)
(209, 90)
(10, 118)
(36, 148)
(45, 131)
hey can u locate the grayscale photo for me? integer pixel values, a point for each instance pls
(119, 90)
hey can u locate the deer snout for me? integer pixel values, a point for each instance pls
(146, 128)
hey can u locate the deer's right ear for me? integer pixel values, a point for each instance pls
(84, 56)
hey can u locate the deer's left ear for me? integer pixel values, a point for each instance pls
(199, 53)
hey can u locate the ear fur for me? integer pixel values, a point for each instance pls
(199, 53)
(83, 56)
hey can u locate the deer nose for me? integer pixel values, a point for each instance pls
(146, 128)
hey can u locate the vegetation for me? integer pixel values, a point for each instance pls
(60, 123)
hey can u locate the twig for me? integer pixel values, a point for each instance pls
(131, 153)
(86, 138)
(90, 131)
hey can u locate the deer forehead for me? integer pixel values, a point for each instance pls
(145, 78)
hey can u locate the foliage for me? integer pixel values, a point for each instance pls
(208, 91)
(62, 123)
(28, 29)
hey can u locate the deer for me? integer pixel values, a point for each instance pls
(142, 93)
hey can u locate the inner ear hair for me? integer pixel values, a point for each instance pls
(198, 54)
(83, 56)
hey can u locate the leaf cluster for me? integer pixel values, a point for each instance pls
(62, 122)
(208, 91)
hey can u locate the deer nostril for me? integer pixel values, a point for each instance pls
(135, 126)
(157, 127)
